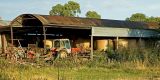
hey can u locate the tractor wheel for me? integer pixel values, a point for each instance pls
(62, 54)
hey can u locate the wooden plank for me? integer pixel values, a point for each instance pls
(3, 43)
(44, 34)
(11, 34)
(91, 56)
(117, 42)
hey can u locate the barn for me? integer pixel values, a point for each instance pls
(96, 34)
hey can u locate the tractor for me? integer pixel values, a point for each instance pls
(62, 47)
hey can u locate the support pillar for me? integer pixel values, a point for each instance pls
(117, 41)
(140, 42)
(3, 43)
(11, 35)
(44, 35)
(91, 55)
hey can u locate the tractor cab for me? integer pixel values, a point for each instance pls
(61, 45)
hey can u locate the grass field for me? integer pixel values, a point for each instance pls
(10, 71)
(129, 64)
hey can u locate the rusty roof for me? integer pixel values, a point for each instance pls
(4, 23)
(48, 20)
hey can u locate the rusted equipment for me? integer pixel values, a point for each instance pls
(63, 48)
(31, 54)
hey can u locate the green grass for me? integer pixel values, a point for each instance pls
(11, 71)
(125, 64)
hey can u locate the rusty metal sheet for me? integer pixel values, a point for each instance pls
(86, 22)
(60, 20)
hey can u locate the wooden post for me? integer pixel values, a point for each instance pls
(117, 41)
(44, 34)
(3, 43)
(11, 34)
(91, 55)
(140, 42)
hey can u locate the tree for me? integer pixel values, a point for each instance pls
(137, 17)
(69, 9)
(93, 14)
(57, 10)
(153, 19)
(143, 17)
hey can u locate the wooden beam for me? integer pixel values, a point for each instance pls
(140, 42)
(44, 34)
(117, 42)
(3, 43)
(11, 34)
(91, 54)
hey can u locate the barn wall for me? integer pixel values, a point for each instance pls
(122, 32)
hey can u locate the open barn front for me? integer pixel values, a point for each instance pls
(34, 35)
(76, 36)
(36, 28)
(34, 32)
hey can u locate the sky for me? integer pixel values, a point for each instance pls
(108, 9)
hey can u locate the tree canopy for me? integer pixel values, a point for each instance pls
(142, 17)
(69, 9)
(137, 17)
(93, 14)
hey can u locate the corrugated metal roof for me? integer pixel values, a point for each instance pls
(4, 23)
(48, 20)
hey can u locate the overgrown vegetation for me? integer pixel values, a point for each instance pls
(121, 64)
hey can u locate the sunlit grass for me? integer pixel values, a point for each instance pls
(10, 71)
(123, 65)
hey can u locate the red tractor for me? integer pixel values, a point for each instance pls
(63, 48)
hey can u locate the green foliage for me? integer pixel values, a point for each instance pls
(137, 17)
(153, 19)
(148, 57)
(143, 18)
(98, 69)
(124, 63)
(93, 14)
(69, 9)
(57, 10)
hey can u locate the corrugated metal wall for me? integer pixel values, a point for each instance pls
(122, 32)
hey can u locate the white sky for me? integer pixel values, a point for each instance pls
(109, 9)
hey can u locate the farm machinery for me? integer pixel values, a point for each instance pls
(63, 48)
